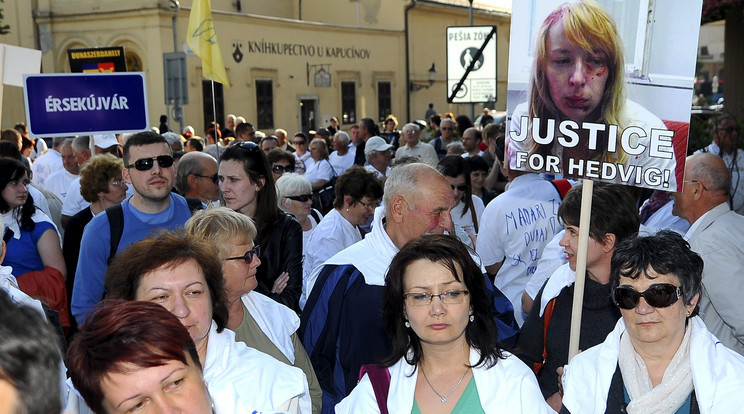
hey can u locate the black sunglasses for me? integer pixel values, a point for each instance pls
(249, 255)
(661, 295)
(249, 146)
(281, 169)
(214, 177)
(144, 164)
(460, 187)
(299, 142)
(301, 198)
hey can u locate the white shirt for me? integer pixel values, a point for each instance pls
(46, 164)
(74, 201)
(341, 163)
(333, 234)
(59, 182)
(320, 170)
(460, 221)
(377, 173)
(515, 228)
(423, 151)
(507, 387)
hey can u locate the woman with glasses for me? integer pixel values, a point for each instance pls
(660, 358)
(281, 162)
(444, 355)
(248, 187)
(301, 154)
(102, 186)
(184, 274)
(257, 321)
(466, 214)
(296, 198)
(358, 193)
(614, 218)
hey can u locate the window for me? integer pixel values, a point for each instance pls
(348, 102)
(384, 106)
(264, 104)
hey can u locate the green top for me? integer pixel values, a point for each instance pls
(469, 402)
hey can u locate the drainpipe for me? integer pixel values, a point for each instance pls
(408, 63)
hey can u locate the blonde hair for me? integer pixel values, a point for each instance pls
(221, 227)
(591, 28)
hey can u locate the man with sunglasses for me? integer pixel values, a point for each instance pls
(303, 160)
(716, 235)
(150, 170)
(447, 130)
(197, 177)
(726, 131)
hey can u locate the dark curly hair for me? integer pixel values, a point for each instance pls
(449, 252)
(14, 170)
(357, 183)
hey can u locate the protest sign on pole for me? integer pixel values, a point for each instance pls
(601, 90)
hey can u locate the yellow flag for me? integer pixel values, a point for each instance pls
(201, 37)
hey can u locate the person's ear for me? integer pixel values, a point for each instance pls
(397, 206)
(192, 180)
(609, 242)
(261, 182)
(3, 250)
(348, 200)
(693, 303)
(125, 176)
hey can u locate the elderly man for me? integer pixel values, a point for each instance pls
(59, 181)
(341, 158)
(447, 128)
(48, 162)
(716, 235)
(378, 155)
(725, 142)
(281, 135)
(73, 201)
(414, 148)
(341, 323)
(471, 140)
(197, 177)
(245, 132)
(269, 143)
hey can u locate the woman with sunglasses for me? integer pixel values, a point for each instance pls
(660, 358)
(358, 193)
(301, 154)
(281, 162)
(248, 187)
(184, 274)
(614, 218)
(466, 214)
(444, 354)
(257, 321)
(296, 198)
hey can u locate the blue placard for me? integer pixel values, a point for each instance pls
(84, 104)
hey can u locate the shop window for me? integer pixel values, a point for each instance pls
(265, 104)
(384, 101)
(348, 102)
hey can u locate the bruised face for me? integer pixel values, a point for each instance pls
(576, 77)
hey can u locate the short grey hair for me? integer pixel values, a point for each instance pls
(413, 125)
(342, 136)
(81, 143)
(450, 120)
(292, 184)
(190, 163)
(402, 182)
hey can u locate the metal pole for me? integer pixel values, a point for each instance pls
(472, 106)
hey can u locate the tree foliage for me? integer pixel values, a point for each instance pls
(714, 10)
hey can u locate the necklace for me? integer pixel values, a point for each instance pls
(443, 398)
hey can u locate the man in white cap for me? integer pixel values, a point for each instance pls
(378, 154)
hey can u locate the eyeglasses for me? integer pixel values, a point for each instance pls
(214, 177)
(299, 142)
(695, 182)
(118, 183)
(281, 169)
(370, 206)
(301, 198)
(661, 295)
(451, 297)
(249, 255)
(729, 130)
(145, 164)
(459, 187)
(447, 129)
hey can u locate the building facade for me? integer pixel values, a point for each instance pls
(291, 64)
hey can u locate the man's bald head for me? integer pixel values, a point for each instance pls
(707, 184)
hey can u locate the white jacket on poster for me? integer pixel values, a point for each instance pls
(717, 373)
(507, 387)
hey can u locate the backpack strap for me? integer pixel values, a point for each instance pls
(380, 379)
(115, 216)
(561, 185)
(547, 315)
(315, 215)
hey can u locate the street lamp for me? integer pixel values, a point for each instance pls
(414, 86)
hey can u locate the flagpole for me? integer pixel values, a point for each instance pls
(214, 117)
